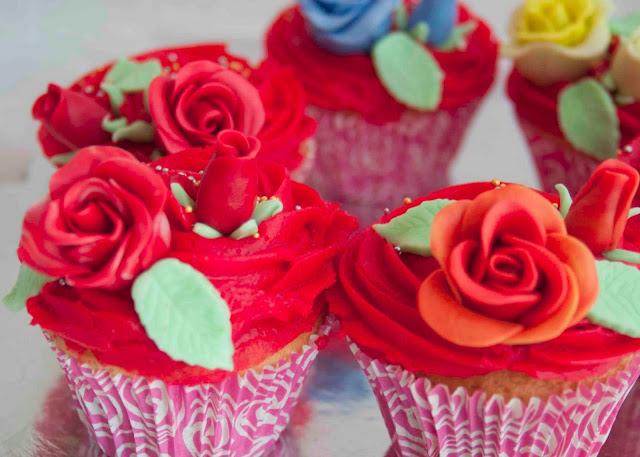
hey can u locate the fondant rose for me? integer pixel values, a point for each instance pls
(102, 223)
(558, 40)
(598, 215)
(203, 99)
(626, 66)
(346, 26)
(229, 187)
(70, 120)
(509, 272)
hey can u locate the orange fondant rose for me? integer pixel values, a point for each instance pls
(510, 273)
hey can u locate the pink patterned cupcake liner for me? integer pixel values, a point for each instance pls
(426, 420)
(368, 167)
(242, 416)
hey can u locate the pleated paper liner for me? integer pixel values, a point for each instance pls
(242, 416)
(426, 420)
(368, 167)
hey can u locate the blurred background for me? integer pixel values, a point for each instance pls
(44, 41)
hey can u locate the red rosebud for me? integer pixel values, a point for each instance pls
(229, 187)
(70, 120)
(600, 209)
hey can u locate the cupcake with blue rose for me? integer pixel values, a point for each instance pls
(393, 85)
(574, 85)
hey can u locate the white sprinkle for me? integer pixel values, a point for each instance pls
(628, 149)
(165, 170)
(298, 207)
(88, 89)
(387, 211)
(172, 56)
(158, 168)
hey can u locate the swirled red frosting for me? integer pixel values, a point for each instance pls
(539, 105)
(349, 82)
(274, 285)
(376, 303)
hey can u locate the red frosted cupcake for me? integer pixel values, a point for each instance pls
(491, 319)
(164, 101)
(393, 86)
(184, 298)
(574, 86)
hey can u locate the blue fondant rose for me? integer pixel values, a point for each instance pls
(348, 26)
(439, 15)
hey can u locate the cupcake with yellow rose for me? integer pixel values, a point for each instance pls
(574, 85)
(393, 84)
(493, 319)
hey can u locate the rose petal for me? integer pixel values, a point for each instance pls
(554, 326)
(445, 227)
(451, 320)
(483, 299)
(580, 260)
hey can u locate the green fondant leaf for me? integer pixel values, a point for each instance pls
(624, 100)
(411, 231)
(618, 306)
(181, 195)
(633, 212)
(246, 230)
(130, 76)
(266, 209)
(420, 32)
(459, 37)
(408, 71)
(625, 26)
(156, 154)
(622, 255)
(116, 97)
(113, 125)
(565, 199)
(206, 231)
(402, 17)
(27, 285)
(606, 79)
(588, 119)
(62, 159)
(138, 131)
(184, 314)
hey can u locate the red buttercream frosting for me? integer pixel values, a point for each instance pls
(71, 118)
(539, 106)
(376, 302)
(349, 82)
(274, 284)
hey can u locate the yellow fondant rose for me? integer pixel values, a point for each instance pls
(625, 68)
(558, 40)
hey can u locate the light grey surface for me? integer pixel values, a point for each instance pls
(57, 40)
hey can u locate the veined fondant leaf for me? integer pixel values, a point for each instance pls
(587, 115)
(184, 314)
(618, 305)
(28, 284)
(411, 231)
(408, 71)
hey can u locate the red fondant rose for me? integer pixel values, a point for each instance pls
(203, 99)
(229, 187)
(599, 212)
(102, 223)
(509, 272)
(70, 120)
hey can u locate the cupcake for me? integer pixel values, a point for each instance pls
(492, 319)
(393, 85)
(574, 86)
(164, 101)
(184, 299)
